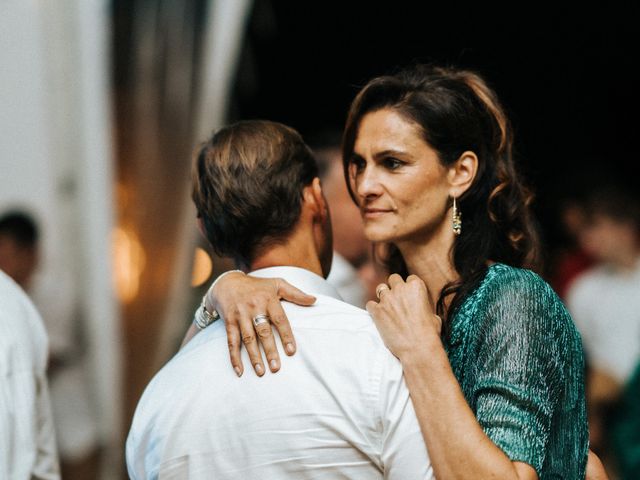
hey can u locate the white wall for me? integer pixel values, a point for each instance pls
(56, 160)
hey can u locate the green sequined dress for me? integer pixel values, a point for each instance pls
(518, 358)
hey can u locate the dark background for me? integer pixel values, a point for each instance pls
(566, 75)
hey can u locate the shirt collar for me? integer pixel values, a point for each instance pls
(301, 278)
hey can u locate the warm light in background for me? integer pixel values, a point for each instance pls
(202, 267)
(129, 260)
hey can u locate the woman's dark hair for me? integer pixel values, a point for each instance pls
(457, 112)
(248, 181)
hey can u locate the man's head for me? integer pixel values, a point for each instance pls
(255, 187)
(611, 233)
(18, 246)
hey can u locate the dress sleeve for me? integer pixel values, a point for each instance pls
(519, 373)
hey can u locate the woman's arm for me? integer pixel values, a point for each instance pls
(458, 447)
(238, 298)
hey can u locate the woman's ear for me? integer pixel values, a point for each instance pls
(201, 229)
(462, 173)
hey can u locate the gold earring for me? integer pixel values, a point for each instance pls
(456, 218)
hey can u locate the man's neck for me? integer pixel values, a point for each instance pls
(296, 252)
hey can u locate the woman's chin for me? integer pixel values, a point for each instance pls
(378, 235)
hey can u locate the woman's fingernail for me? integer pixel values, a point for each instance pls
(273, 364)
(238, 371)
(289, 348)
(259, 369)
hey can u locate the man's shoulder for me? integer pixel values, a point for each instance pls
(326, 305)
(330, 314)
(18, 315)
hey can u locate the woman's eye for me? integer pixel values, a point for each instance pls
(392, 163)
(357, 164)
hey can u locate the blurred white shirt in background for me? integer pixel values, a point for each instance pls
(605, 305)
(27, 437)
(344, 277)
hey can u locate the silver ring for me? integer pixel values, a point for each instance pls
(381, 288)
(260, 319)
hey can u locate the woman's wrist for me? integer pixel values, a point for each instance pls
(210, 297)
(424, 353)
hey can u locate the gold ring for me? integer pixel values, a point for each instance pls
(381, 288)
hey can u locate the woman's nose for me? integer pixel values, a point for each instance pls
(367, 183)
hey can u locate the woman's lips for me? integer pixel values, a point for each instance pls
(374, 212)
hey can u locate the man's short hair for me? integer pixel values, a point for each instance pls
(616, 202)
(247, 186)
(20, 227)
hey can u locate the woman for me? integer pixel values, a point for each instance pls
(492, 359)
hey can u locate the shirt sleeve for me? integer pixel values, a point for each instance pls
(46, 462)
(519, 355)
(404, 454)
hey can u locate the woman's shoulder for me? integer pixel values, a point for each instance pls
(513, 294)
(502, 279)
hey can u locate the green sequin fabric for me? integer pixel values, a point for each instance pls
(518, 358)
(625, 436)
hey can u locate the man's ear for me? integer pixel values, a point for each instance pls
(462, 173)
(315, 201)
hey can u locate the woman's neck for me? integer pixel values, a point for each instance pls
(431, 260)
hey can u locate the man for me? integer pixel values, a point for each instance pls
(605, 304)
(27, 440)
(604, 301)
(74, 420)
(339, 408)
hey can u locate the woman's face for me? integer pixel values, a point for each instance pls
(399, 182)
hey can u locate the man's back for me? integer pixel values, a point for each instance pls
(337, 409)
(27, 443)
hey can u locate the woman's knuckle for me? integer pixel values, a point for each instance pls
(264, 332)
(248, 338)
(277, 320)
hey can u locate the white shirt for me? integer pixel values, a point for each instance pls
(27, 440)
(338, 408)
(344, 277)
(605, 305)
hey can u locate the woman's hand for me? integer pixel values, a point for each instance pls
(239, 298)
(595, 469)
(404, 315)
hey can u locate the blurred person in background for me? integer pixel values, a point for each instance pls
(571, 260)
(27, 438)
(353, 270)
(75, 424)
(605, 302)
